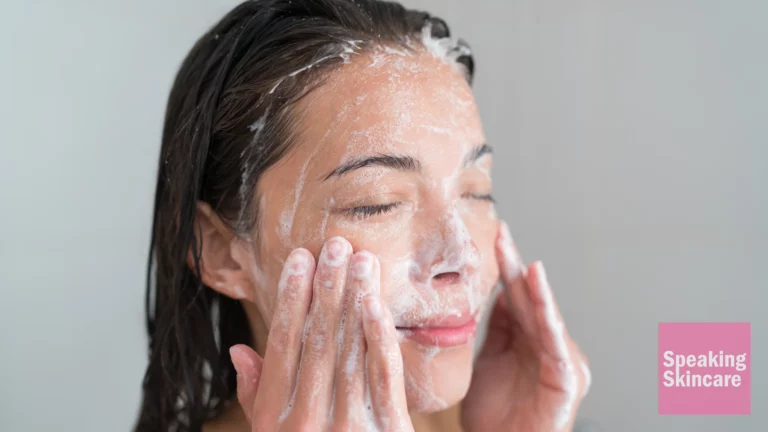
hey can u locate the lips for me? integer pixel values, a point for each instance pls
(442, 331)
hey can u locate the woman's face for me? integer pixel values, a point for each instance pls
(391, 156)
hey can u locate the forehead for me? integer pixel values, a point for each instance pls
(389, 101)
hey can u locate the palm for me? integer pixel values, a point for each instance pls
(527, 377)
(514, 380)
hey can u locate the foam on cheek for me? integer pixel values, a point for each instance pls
(326, 215)
(467, 256)
(450, 250)
(404, 298)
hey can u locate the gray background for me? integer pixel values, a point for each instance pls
(631, 149)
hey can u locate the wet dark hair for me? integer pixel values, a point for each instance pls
(228, 120)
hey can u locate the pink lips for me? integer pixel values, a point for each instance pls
(444, 332)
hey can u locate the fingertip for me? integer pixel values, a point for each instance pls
(247, 375)
(240, 359)
(504, 233)
(297, 267)
(335, 252)
(587, 377)
(299, 261)
(365, 267)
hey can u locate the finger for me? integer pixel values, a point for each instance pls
(248, 366)
(349, 395)
(552, 335)
(515, 296)
(581, 362)
(281, 358)
(314, 388)
(384, 363)
(586, 377)
(559, 367)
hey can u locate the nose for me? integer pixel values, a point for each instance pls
(446, 278)
(447, 255)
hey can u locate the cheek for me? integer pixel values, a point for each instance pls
(482, 224)
(391, 242)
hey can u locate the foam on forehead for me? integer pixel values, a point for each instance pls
(393, 104)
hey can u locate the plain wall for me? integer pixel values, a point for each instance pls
(631, 143)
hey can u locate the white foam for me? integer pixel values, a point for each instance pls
(256, 127)
(447, 49)
(348, 48)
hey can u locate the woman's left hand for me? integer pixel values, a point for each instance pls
(530, 376)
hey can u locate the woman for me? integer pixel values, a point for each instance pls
(325, 243)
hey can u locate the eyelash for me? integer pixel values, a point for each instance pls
(375, 210)
(372, 210)
(483, 197)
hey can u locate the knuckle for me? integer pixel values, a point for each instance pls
(383, 380)
(281, 340)
(379, 334)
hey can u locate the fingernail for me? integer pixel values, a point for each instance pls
(372, 307)
(297, 262)
(361, 269)
(334, 251)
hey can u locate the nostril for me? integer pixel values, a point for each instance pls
(446, 278)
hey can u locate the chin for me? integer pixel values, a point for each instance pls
(436, 378)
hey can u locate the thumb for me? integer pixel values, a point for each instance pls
(248, 367)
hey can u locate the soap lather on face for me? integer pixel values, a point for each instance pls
(416, 193)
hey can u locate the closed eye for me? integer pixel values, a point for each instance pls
(372, 210)
(482, 197)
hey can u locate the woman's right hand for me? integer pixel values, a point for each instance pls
(332, 360)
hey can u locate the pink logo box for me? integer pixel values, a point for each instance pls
(704, 368)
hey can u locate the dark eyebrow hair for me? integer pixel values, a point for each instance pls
(398, 162)
(477, 153)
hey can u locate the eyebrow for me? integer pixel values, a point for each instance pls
(399, 162)
(477, 153)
